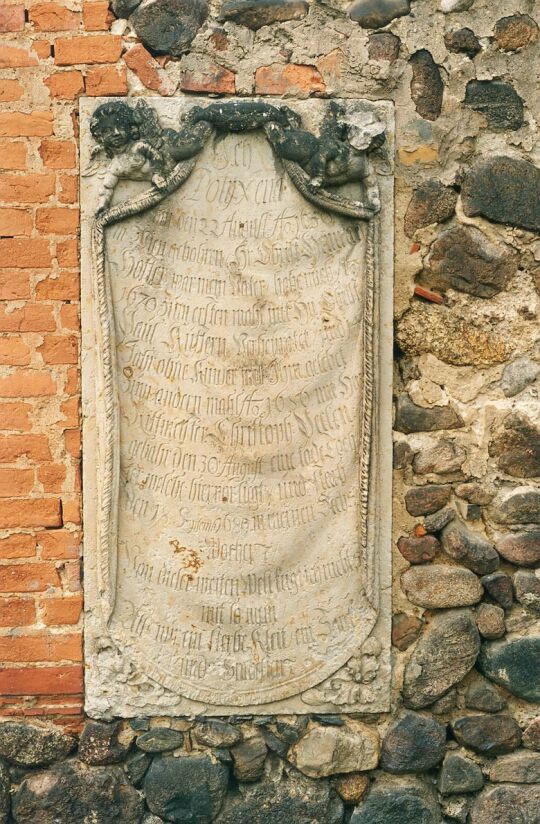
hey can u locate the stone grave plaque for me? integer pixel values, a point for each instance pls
(237, 260)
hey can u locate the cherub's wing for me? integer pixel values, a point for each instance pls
(95, 163)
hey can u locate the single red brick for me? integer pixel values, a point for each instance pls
(42, 48)
(16, 483)
(59, 544)
(17, 612)
(12, 57)
(28, 577)
(10, 90)
(41, 648)
(62, 681)
(59, 349)
(89, 49)
(57, 221)
(65, 85)
(14, 284)
(52, 476)
(53, 17)
(69, 189)
(70, 316)
(97, 16)
(34, 317)
(148, 70)
(20, 512)
(64, 287)
(290, 78)
(12, 17)
(106, 80)
(27, 383)
(29, 188)
(34, 447)
(15, 222)
(15, 416)
(12, 155)
(72, 439)
(427, 294)
(67, 254)
(18, 545)
(14, 351)
(21, 124)
(62, 611)
(29, 253)
(72, 384)
(213, 80)
(58, 154)
(71, 508)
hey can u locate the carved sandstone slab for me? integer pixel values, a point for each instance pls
(237, 263)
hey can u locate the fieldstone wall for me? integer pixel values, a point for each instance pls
(462, 743)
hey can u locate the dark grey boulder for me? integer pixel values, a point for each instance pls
(398, 805)
(216, 733)
(413, 418)
(460, 775)
(482, 695)
(160, 739)
(499, 102)
(463, 41)
(257, 13)
(469, 548)
(374, 14)
(99, 745)
(427, 87)
(74, 792)
(187, 789)
(515, 443)
(169, 26)
(502, 805)
(515, 665)
(520, 506)
(31, 745)
(499, 586)
(5, 799)
(413, 743)
(488, 734)
(504, 190)
(431, 202)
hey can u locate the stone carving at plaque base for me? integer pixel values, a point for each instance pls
(237, 261)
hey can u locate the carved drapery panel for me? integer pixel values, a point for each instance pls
(236, 400)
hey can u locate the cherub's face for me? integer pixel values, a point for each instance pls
(115, 135)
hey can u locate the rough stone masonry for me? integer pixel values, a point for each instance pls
(462, 740)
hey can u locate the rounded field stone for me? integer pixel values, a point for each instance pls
(352, 788)
(531, 735)
(5, 799)
(296, 798)
(521, 506)
(516, 768)
(425, 500)
(384, 45)
(437, 521)
(498, 805)
(74, 792)
(460, 775)
(169, 26)
(374, 14)
(442, 657)
(160, 739)
(405, 630)
(527, 589)
(470, 549)
(30, 745)
(463, 41)
(518, 375)
(515, 32)
(413, 743)
(490, 621)
(441, 587)
(522, 548)
(419, 550)
(186, 790)
(488, 734)
(515, 443)
(325, 751)
(504, 190)
(257, 13)
(499, 102)
(215, 733)
(99, 745)
(412, 418)
(442, 459)
(397, 805)
(513, 664)
(431, 202)
(248, 759)
(499, 586)
(427, 87)
(481, 695)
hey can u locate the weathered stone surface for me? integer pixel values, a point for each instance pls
(431, 202)
(515, 442)
(327, 751)
(504, 190)
(456, 808)
(424, 500)
(74, 792)
(520, 506)
(413, 418)
(488, 734)
(464, 259)
(99, 744)
(446, 704)
(419, 550)
(498, 585)
(515, 32)
(436, 522)
(383, 45)
(405, 630)
(482, 695)
(150, 818)
(186, 790)
(500, 804)
(5, 798)
(136, 766)
(413, 743)
(402, 455)
(248, 758)
(469, 548)
(442, 657)
(516, 768)
(490, 621)
(446, 457)
(169, 26)
(297, 799)
(215, 733)
(123, 8)
(257, 13)
(463, 41)
(441, 587)
(518, 375)
(515, 665)
(352, 788)
(499, 102)
(160, 739)
(374, 14)
(531, 735)
(30, 745)
(474, 492)
(451, 6)
(398, 804)
(427, 87)
(527, 589)
(460, 775)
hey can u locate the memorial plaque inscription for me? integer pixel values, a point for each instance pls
(237, 350)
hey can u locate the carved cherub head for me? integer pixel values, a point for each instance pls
(114, 125)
